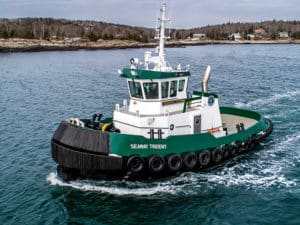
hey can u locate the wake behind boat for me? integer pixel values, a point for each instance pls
(162, 130)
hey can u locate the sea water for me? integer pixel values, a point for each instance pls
(38, 90)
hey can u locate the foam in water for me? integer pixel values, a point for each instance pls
(115, 188)
(269, 100)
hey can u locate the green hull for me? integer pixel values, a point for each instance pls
(126, 145)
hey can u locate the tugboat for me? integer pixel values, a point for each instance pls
(162, 131)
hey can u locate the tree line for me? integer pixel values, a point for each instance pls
(271, 28)
(49, 29)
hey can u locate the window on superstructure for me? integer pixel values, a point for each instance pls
(181, 85)
(151, 90)
(173, 88)
(135, 89)
(164, 89)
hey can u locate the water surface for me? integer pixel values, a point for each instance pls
(38, 90)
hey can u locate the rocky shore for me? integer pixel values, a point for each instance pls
(30, 45)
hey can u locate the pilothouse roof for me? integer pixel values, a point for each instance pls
(150, 74)
(156, 66)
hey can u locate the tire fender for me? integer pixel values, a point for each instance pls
(216, 155)
(174, 162)
(204, 158)
(225, 152)
(233, 150)
(190, 160)
(135, 164)
(156, 163)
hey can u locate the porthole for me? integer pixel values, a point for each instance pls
(211, 100)
(172, 127)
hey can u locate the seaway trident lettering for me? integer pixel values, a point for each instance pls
(147, 146)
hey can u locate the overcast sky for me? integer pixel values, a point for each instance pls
(184, 13)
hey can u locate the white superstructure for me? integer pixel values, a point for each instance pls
(159, 106)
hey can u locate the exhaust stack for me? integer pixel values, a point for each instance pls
(205, 79)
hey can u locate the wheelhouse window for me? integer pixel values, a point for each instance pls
(164, 89)
(173, 88)
(135, 89)
(181, 85)
(151, 90)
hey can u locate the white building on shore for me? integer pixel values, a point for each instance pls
(197, 37)
(234, 37)
(283, 35)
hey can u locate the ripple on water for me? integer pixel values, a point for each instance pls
(270, 100)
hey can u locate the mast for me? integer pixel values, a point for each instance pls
(162, 20)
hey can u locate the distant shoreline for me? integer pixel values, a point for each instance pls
(33, 45)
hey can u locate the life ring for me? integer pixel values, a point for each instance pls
(135, 164)
(204, 158)
(225, 152)
(216, 155)
(174, 162)
(156, 163)
(190, 160)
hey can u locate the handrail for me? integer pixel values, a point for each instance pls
(199, 93)
(187, 100)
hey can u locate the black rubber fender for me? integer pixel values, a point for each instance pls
(260, 137)
(245, 146)
(174, 162)
(225, 152)
(216, 155)
(239, 148)
(78, 138)
(190, 160)
(156, 163)
(204, 158)
(270, 129)
(135, 164)
(233, 150)
(251, 143)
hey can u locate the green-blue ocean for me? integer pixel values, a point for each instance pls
(40, 89)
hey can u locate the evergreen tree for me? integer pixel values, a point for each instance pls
(92, 37)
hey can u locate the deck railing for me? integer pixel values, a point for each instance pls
(189, 102)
